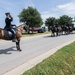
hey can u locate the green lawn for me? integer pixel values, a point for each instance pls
(34, 34)
(60, 63)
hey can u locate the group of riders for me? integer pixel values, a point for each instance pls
(57, 29)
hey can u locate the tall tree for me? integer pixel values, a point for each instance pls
(50, 21)
(65, 20)
(31, 17)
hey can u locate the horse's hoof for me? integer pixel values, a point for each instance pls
(19, 50)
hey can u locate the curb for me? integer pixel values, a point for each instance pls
(26, 66)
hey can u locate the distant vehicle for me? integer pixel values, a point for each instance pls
(34, 29)
(39, 30)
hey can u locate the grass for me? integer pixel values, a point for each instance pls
(60, 63)
(34, 34)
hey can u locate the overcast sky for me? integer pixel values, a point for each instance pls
(47, 8)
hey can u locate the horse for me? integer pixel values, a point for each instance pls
(54, 30)
(18, 30)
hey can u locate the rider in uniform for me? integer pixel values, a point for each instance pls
(8, 26)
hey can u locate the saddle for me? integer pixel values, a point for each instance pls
(9, 34)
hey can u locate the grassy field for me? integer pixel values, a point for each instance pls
(60, 63)
(34, 34)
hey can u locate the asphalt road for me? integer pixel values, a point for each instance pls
(31, 48)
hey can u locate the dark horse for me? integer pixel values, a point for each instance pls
(58, 30)
(55, 30)
(18, 30)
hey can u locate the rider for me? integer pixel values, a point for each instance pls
(8, 26)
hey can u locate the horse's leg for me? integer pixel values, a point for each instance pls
(56, 33)
(52, 34)
(18, 45)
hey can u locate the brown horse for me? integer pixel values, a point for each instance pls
(19, 30)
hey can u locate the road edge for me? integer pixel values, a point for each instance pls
(26, 66)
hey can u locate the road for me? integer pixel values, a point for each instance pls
(31, 48)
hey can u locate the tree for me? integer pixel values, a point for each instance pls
(50, 21)
(31, 17)
(65, 20)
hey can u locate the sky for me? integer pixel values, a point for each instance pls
(47, 8)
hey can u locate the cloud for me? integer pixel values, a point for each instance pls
(47, 14)
(68, 8)
(57, 11)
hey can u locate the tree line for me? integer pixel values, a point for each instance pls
(32, 18)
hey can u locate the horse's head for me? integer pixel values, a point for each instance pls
(26, 28)
(23, 27)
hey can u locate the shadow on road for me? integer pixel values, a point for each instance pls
(7, 51)
(49, 36)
